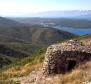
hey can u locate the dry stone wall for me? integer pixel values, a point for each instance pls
(62, 57)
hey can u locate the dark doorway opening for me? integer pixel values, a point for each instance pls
(71, 64)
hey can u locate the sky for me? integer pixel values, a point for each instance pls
(24, 7)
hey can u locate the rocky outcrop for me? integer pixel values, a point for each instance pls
(63, 57)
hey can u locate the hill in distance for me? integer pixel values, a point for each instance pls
(34, 34)
(18, 39)
(66, 22)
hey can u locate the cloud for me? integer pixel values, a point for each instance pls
(8, 9)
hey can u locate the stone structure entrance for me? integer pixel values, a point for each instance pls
(71, 64)
(61, 58)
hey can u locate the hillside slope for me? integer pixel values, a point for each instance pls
(30, 68)
(18, 40)
(13, 32)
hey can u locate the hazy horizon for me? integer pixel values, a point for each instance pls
(17, 8)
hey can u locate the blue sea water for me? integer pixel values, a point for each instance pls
(78, 31)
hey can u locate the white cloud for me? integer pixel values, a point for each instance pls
(14, 8)
(17, 8)
(24, 7)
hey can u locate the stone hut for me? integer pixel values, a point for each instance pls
(63, 57)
